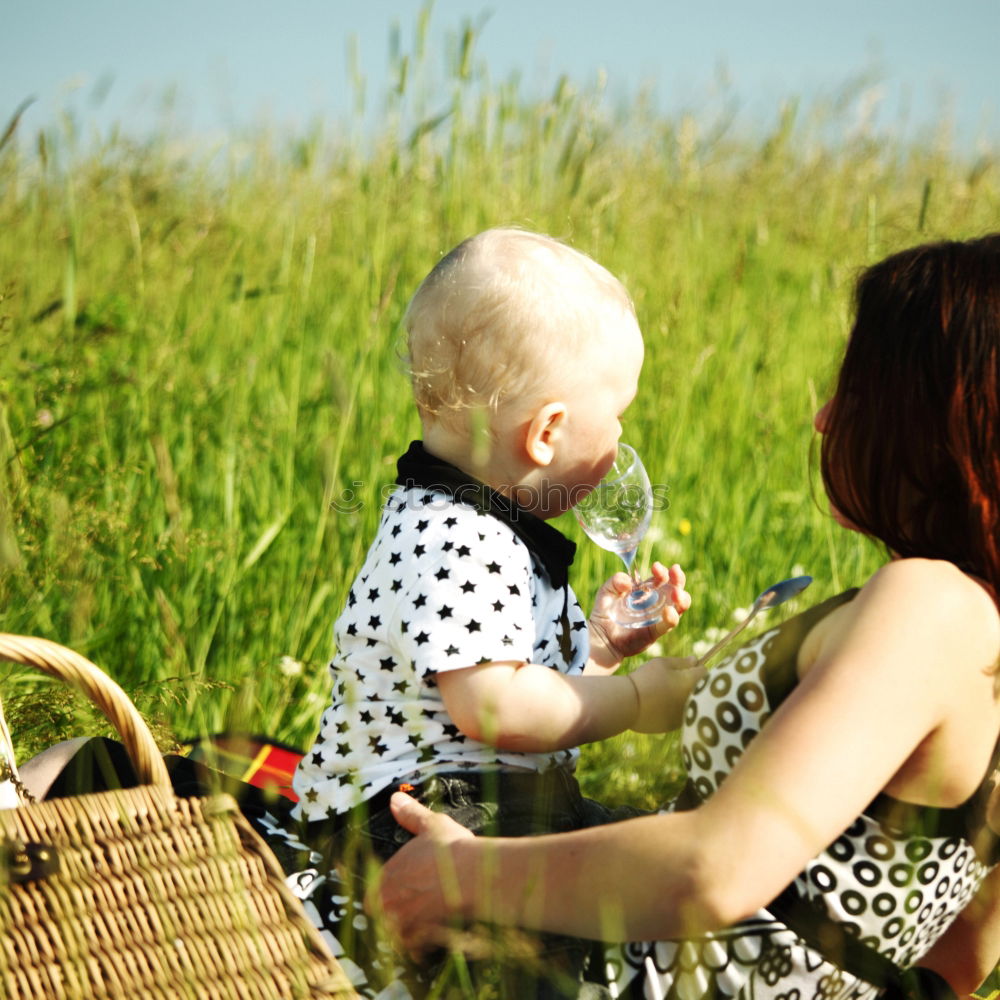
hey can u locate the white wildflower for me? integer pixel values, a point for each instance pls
(288, 666)
(712, 635)
(669, 550)
(654, 534)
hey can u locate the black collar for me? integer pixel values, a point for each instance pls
(418, 467)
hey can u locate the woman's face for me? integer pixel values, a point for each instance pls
(821, 417)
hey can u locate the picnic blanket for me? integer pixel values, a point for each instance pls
(251, 758)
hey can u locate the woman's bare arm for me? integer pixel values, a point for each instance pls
(876, 692)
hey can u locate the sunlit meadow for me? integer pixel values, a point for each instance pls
(199, 368)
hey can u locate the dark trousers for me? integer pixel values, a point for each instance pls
(506, 804)
(492, 803)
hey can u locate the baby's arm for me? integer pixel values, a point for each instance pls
(663, 685)
(530, 708)
(526, 707)
(610, 643)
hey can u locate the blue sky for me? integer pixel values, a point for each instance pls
(233, 63)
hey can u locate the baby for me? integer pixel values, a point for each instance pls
(465, 668)
(462, 650)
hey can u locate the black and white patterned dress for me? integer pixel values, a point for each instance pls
(896, 878)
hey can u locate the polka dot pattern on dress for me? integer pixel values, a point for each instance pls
(888, 883)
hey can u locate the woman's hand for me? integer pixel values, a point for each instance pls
(419, 891)
(610, 642)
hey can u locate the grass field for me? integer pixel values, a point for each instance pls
(201, 398)
(198, 362)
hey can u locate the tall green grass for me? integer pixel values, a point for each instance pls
(198, 362)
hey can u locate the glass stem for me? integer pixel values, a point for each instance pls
(629, 558)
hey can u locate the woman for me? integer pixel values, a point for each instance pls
(845, 758)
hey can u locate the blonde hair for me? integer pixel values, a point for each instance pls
(498, 316)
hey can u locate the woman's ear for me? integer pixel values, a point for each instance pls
(543, 433)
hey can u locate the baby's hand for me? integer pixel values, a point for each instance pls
(618, 640)
(662, 685)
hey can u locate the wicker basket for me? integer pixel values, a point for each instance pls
(140, 893)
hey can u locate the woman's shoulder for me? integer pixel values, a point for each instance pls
(935, 592)
(919, 609)
(933, 585)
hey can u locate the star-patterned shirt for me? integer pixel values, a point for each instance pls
(443, 587)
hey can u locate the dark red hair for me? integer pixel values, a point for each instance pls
(911, 451)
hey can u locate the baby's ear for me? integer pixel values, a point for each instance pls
(543, 433)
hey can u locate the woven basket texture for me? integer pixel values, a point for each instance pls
(152, 896)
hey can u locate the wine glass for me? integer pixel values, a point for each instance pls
(615, 515)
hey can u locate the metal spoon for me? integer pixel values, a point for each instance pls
(776, 594)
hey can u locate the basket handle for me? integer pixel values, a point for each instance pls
(77, 671)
